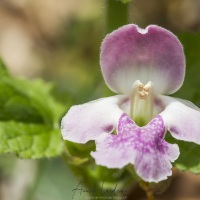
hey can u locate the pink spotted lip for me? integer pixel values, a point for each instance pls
(142, 146)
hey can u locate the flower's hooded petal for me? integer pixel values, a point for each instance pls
(182, 119)
(142, 146)
(152, 54)
(88, 121)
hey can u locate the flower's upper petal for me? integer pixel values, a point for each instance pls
(142, 146)
(88, 121)
(152, 54)
(182, 119)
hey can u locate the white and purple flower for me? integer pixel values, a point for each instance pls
(142, 65)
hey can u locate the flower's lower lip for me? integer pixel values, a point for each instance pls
(144, 147)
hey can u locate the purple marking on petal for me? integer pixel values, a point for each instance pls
(147, 138)
(174, 130)
(153, 54)
(181, 119)
(142, 146)
(88, 121)
(108, 128)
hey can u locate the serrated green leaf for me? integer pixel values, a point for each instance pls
(16, 105)
(29, 118)
(28, 101)
(28, 140)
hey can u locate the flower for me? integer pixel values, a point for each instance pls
(142, 66)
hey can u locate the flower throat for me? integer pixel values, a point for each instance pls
(141, 108)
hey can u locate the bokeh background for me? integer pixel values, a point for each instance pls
(59, 41)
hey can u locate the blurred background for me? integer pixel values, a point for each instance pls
(59, 41)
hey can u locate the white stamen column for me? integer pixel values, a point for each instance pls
(141, 100)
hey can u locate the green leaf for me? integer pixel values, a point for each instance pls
(16, 105)
(29, 140)
(28, 101)
(29, 118)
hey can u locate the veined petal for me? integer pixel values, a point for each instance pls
(152, 54)
(142, 146)
(182, 119)
(88, 121)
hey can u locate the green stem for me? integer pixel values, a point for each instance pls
(146, 187)
(117, 14)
